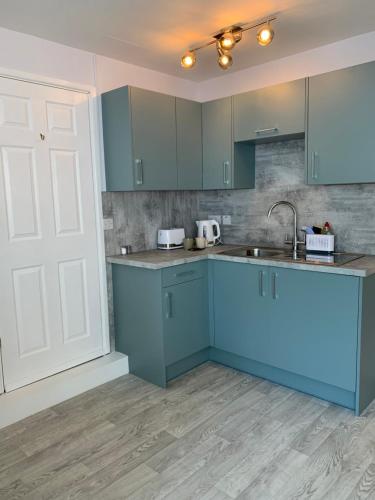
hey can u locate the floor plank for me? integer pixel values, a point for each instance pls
(214, 434)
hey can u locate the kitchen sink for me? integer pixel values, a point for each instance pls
(255, 252)
(334, 259)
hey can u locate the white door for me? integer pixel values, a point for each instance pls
(50, 315)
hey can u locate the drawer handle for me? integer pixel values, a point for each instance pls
(266, 130)
(275, 295)
(262, 293)
(139, 172)
(314, 168)
(183, 273)
(168, 305)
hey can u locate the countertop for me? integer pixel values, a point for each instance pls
(159, 259)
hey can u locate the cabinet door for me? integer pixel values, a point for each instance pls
(154, 140)
(189, 144)
(185, 319)
(217, 144)
(313, 325)
(270, 112)
(341, 114)
(241, 309)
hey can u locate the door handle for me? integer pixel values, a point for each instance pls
(314, 165)
(184, 273)
(226, 165)
(138, 172)
(262, 293)
(275, 295)
(168, 305)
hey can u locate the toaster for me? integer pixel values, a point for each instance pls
(169, 239)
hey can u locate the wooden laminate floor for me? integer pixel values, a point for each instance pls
(214, 434)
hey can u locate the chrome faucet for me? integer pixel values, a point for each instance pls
(295, 241)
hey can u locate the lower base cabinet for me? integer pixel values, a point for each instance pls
(161, 319)
(309, 330)
(301, 321)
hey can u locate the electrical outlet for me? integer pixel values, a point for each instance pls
(218, 218)
(227, 220)
(107, 223)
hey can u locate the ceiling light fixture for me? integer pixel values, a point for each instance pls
(226, 41)
(188, 59)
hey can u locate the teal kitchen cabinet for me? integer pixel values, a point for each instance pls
(189, 144)
(271, 112)
(139, 132)
(225, 165)
(341, 110)
(161, 319)
(298, 328)
(240, 309)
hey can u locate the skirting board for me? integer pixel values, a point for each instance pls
(26, 401)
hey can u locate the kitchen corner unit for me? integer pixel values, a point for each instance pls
(309, 327)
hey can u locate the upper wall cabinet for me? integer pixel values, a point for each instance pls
(270, 112)
(139, 130)
(341, 111)
(225, 165)
(189, 144)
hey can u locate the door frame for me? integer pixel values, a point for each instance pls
(97, 158)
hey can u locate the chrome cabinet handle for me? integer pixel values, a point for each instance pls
(314, 163)
(262, 293)
(168, 305)
(139, 172)
(275, 295)
(266, 130)
(226, 165)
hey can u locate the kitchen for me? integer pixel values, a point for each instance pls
(268, 343)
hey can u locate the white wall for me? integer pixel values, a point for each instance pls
(349, 52)
(113, 74)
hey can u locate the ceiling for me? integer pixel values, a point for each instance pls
(155, 33)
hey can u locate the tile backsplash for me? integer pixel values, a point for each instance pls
(279, 176)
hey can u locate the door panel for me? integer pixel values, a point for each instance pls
(21, 192)
(313, 322)
(241, 309)
(340, 126)
(274, 111)
(154, 140)
(185, 320)
(217, 144)
(29, 288)
(66, 191)
(49, 299)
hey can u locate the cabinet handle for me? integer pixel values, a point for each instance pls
(226, 172)
(261, 284)
(314, 165)
(168, 305)
(266, 130)
(139, 172)
(183, 273)
(275, 295)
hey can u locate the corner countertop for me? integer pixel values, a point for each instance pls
(159, 259)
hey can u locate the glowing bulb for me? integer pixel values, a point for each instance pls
(265, 35)
(225, 60)
(227, 41)
(188, 60)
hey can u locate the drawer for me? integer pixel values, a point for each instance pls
(185, 272)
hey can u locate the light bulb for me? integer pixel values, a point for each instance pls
(265, 35)
(227, 41)
(188, 59)
(225, 60)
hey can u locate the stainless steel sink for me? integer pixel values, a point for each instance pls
(254, 252)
